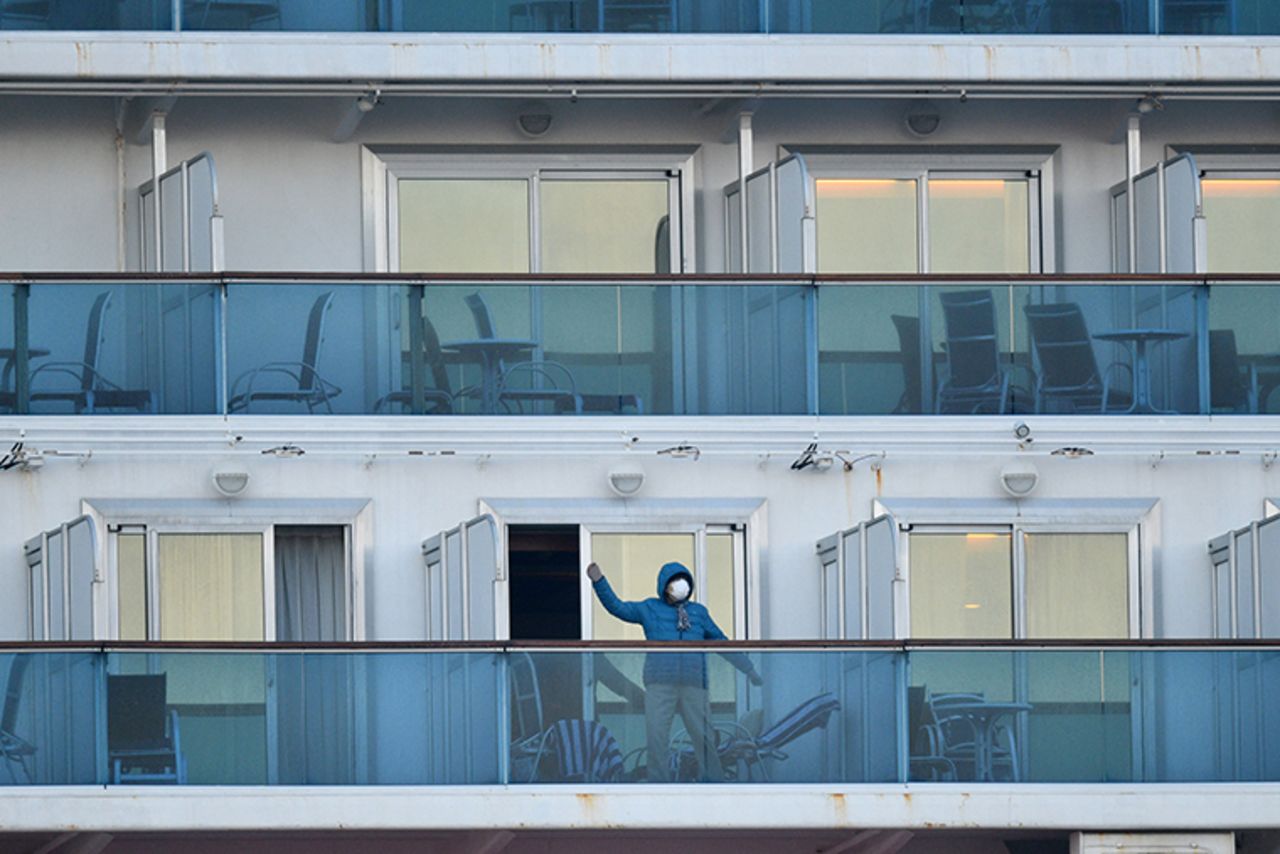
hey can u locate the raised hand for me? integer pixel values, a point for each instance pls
(593, 571)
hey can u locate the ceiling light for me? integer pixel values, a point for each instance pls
(231, 484)
(923, 119)
(626, 480)
(534, 119)
(1019, 478)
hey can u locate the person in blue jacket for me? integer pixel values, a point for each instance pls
(674, 681)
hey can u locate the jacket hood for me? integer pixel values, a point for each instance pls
(670, 571)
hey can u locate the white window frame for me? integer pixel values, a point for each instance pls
(1035, 166)
(701, 586)
(646, 516)
(381, 171)
(155, 517)
(1139, 519)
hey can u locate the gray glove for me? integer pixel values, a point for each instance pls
(593, 571)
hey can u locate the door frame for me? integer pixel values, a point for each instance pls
(655, 515)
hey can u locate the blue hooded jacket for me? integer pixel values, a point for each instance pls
(660, 620)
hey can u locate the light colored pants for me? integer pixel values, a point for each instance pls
(661, 702)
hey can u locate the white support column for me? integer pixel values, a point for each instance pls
(159, 163)
(746, 143)
(1133, 165)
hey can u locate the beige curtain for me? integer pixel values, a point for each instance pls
(210, 587)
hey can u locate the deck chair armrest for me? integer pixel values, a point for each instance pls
(547, 370)
(75, 370)
(1106, 380)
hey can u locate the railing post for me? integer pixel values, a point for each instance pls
(21, 347)
(177, 15)
(417, 358)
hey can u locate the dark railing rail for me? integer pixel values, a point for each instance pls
(698, 345)
(953, 17)
(505, 713)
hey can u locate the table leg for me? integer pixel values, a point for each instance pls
(489, 386)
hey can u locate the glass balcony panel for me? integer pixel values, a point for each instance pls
(50, 729)
(612, 345)
(705, 348)
(869, 351)
(353, 718)
(945, 17)
(317, 349)
(1244, 348)
(627, 702)
(8, 354)
(123, 348)
(1137, 343)
(970, 357)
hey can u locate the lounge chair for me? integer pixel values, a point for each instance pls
(16, 750)
(92, 392)
(743, 749)
(1068, 376)
(302, 384)
(977, 376)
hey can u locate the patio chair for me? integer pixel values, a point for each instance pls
(651, 16)
(747, 750)
(908, 329)
(959, 738)
(92, 391)
(16, 750)
(926, 758)
(31, 12)
(561, 392)
(577, 751)
(303, 385)
(144, 743)
(977, 377)
(440, 398)
(1068, 369)
(1232, 387)
(244, 14)
(527, 727)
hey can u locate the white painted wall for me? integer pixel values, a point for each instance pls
(291, 197)
(415, 497)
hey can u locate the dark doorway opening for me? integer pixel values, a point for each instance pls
(546, 592)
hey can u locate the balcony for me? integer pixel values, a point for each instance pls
(912, 17)
(638, 346)
(492, 714)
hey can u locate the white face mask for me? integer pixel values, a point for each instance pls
(678, 590)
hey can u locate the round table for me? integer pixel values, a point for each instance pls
(1139, 338)
(490, 353)
(983, 717)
